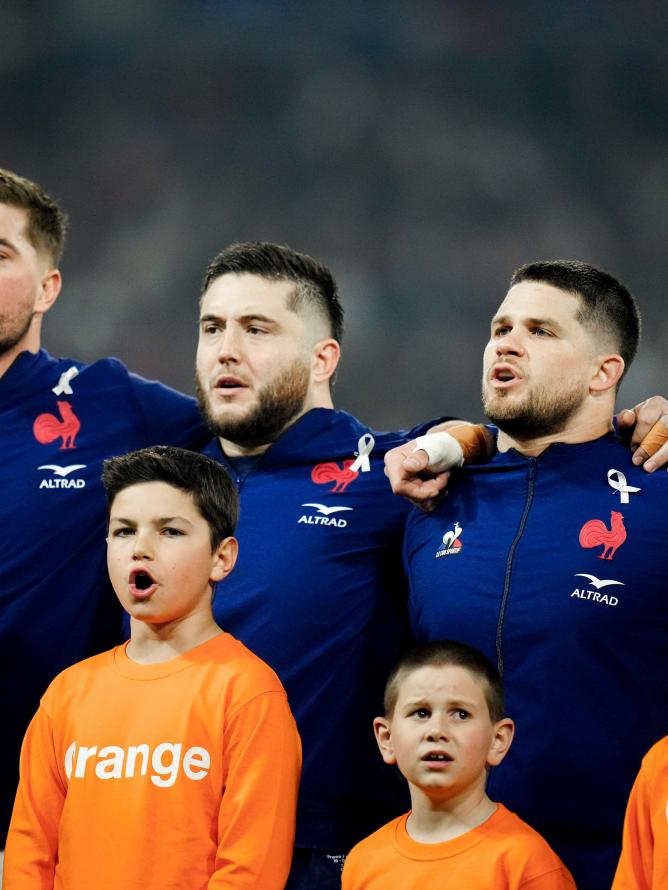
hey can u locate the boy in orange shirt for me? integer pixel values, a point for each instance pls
(643, 864)
(171, 762)
(444, 727)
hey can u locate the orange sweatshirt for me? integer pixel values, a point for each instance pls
(643, 864)
(503, 853)
(173, 776)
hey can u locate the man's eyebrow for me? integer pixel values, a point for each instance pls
(528, 322)
(257, 316)
(498, 319)
(5, 243)
(245, 319)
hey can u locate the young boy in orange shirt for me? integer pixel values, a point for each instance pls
(643, 864)
(444, 727)
(173, 761)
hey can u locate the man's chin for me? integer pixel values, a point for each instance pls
(512, 417)
(524, 425)
(501, 408)
(276, 406)
(229, 422)
(253, 429)
(242, 429)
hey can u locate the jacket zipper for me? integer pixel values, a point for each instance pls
(532, 466)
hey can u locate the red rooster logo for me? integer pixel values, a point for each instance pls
(332, 472)
(595, 533)
(47, 428)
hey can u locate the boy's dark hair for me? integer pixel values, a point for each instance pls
(205, 479)
(46, 222)
(606, 306)
(442, 653)
(314, 282)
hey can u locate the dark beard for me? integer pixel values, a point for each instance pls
(279, 403)
(540, 415)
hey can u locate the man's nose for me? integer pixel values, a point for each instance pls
(509, 343)
(229, 349)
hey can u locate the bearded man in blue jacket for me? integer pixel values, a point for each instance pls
(550, 559)
(59, 419)
(319, 591)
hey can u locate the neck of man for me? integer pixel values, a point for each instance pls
(592, 420)
(433, 820)
(157, 643)
(321, 399)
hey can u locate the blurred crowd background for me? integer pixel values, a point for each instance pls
(421, 149)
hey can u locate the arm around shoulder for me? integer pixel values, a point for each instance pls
(419, 470)
(169, 417)
(256, 824)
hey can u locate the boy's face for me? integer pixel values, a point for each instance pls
(441, 735)
(159, 553)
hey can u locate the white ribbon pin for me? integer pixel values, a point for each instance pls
(64, 387)
(617, 480)
(364, 449)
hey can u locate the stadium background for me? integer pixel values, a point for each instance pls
(421, 149)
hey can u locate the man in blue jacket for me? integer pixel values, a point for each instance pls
(59, 419)
(318, 591)
(550, 559)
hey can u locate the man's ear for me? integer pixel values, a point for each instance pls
(381, 729)
(51, 284)
(607, 373)
(223, 559)
(502, 739)
(325, 359)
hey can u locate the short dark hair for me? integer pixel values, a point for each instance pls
(441, 653)
(47, 223)
(314, 282)
(606, 306)
(212, 490)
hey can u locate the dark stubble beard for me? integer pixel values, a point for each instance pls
(279, 404)
(10, 338)
(542, 413)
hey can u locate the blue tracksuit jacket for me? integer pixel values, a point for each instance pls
(318, 592)
(56, 604)
(512, 563)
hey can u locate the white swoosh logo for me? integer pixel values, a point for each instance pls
(62, 471)
(598, 582)
(321, 508)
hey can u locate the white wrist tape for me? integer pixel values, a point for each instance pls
(443, 450)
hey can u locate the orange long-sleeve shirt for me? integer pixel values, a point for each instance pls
(643, 864)
(173, 776)
(503, 853)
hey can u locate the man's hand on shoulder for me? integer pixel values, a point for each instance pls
(419, 470)
(647, 426)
